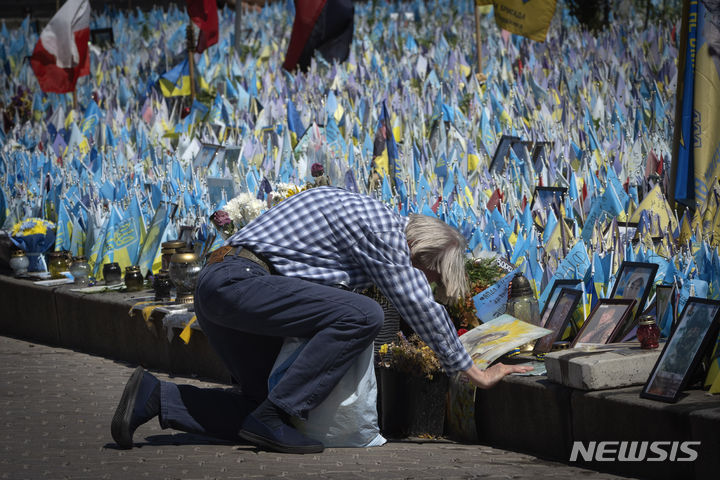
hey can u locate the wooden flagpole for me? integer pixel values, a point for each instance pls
(191, 59)
(478, 42)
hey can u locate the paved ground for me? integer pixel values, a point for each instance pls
(55, 411)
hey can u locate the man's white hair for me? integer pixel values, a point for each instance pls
(437, 246)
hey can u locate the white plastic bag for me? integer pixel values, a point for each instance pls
(348, 416)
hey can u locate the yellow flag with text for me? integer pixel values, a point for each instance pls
(529, 18)
(656, 203)
(706, 107)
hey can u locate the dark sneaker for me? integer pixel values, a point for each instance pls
(283, 439)
(139, 403)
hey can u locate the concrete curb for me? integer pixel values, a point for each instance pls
(528, 414)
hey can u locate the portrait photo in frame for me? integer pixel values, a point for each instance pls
(695, 334)
(553, 296)
(626, 230)
(206, 155)
(560, 316)
(606, 322)
(634, 281)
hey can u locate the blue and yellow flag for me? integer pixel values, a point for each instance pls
(529, 18)
(150, 251)
(697, 163)
(64, 228)
(176, 82)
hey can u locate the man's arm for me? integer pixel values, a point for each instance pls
(491, 376)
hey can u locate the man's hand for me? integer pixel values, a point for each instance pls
(491, 376)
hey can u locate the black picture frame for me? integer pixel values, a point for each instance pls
(498, 161)
(553, 295)
(206, 155)
(102, 37)
(600, 327)
(627, 286)
(697, 329)
(562, 312)
(539, 153)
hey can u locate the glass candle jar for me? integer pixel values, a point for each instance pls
(112, 273)
(184, 270)
(80, 270)
(56, 264)
(168, 249)
(648, 333)
(68, 259)
(162, 286)
(523, 305)
(133, 279)
(19, 262)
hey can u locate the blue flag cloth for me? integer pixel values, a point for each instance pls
(491, 302)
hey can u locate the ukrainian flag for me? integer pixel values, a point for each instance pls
(150, 252)
(64, 228)
(176, 82)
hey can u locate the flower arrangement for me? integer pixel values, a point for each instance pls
(283, 191)
(411, 356)
(244, 208)
(35, 236)
(481, 274)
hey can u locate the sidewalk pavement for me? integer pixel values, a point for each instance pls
(56, 406)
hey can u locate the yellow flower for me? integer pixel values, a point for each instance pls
(384, 349)
(31, 226)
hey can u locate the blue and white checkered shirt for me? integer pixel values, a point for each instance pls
(334, 237)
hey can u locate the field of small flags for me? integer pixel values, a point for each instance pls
(589, 113)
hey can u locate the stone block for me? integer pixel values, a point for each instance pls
(621, 415)
(28, 311)
(705, 428)
(598, 370)
(196, 357)
(525, 413)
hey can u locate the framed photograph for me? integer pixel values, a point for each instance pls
(539, 154)
(102, 37)
(696, 331)
(559, 318)
(634, 281)
(206, 155)
(498, 161)
(220, 189)
(627, 231)
(553, 296)
(605, 322)
(232, 157)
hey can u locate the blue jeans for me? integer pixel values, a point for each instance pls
(246, 313)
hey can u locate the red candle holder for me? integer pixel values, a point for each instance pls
(648, 333)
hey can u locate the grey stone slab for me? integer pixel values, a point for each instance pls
(599, 370)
